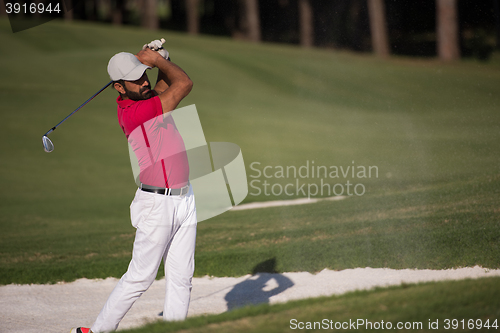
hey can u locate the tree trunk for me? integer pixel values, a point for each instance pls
(117, 10)
(497, 20)
(192, 13)
(306, 23)
(3, 12)
(447, 30)
(92, 12)
(150, 19)
(252, 20)
(68, 10)
(378, 27)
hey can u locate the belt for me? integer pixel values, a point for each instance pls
(165, 191)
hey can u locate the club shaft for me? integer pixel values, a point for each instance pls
(78, 108)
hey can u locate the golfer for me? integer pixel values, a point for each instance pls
(163, 210)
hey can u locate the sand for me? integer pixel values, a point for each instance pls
(59, 307)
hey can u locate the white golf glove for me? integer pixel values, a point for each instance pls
(157, 45)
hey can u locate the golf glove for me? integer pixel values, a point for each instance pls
(157, 45)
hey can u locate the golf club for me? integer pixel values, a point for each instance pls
(48, 146)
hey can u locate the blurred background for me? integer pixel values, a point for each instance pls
(449, 29)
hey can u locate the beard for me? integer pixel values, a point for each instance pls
(143, 94)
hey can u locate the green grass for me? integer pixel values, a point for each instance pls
(433, 131)
(412, 305)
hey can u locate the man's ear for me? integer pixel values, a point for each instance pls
(119, 88)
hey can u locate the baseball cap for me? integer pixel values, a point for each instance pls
(125, 66)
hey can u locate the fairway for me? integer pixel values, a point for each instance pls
(466, 305)
(430, 132)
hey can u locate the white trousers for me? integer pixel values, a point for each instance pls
(166, 229)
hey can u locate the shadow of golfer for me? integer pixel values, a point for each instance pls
(260, 287)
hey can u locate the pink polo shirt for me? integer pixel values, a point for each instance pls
(156, 142)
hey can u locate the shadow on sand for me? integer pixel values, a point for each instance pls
(264, 283)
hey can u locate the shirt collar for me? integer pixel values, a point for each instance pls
(123, 103)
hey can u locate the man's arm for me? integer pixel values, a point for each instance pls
(177, 83)
(161, 85)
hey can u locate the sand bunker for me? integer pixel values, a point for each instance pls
(58, 307)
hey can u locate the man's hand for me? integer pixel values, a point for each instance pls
(157, 45)
(149, 57)
(172, 84)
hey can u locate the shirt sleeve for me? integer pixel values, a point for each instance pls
(148, 109)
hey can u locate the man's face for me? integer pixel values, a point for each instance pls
(139, 89)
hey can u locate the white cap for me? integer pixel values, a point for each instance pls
(125, 66)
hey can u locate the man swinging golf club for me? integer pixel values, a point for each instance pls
(163, 210)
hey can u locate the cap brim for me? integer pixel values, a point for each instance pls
(136, 73)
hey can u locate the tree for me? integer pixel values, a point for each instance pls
(306, 23)
(68, 10)
(91, 11)
(192, 13)
(251, 20)
(117, 11)
(447, 30)
(79, 10)
(496, 5)
(150, 19)
(378, 27)
(3, 13)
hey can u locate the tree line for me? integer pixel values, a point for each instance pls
(449, 29)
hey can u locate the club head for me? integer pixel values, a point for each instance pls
(48, 146)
